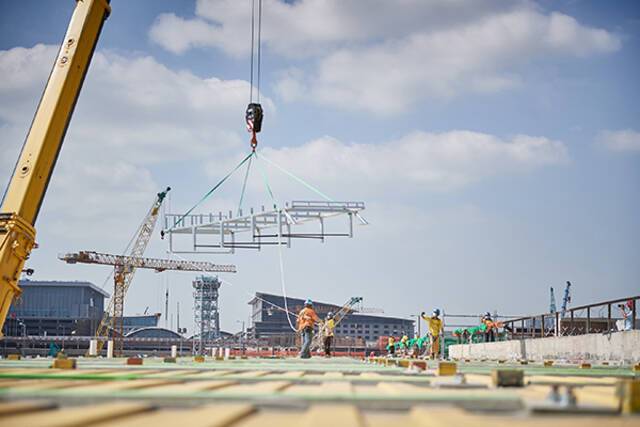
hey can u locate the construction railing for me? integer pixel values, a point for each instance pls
(602, 317)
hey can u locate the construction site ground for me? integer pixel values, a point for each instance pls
(293, 392)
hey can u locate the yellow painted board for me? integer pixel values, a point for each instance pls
(207, 416)
(76, 416)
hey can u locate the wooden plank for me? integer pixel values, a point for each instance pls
(397, 388)
(192, 386)
(250, 374)
(290, 374)
(332, 415)
(267, 387)
(207, 416)
(107, 386)
(54, 384)
(446, 417)
(76, 416)
(15, 408)
(328, 388)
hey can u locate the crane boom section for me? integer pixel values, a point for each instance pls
(28, 185)
(141, 262)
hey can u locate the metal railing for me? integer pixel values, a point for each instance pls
(592, 318)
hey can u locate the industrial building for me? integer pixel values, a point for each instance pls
(268, 320)
(50, 308)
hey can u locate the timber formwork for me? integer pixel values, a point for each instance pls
(327, 392)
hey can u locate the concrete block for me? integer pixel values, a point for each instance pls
(585, 366)
(447, 368)
(169, 360)
(110, 349)
(507, 378)
(548, 363)
(198, 359)
(93, 348)
(134, 361)
(174, 351)
(64, 364)
(14, 356)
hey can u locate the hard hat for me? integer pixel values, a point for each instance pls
(330, 314)
(436, 312)
(308, 302)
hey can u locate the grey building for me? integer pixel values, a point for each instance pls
(269, 320)
(55, 308)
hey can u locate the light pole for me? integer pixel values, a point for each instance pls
(241, 336)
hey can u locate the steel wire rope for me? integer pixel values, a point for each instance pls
(280, 256)
(259, 48)
(210, 192)
(244, 184)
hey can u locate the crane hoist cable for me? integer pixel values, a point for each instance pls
(254, 113)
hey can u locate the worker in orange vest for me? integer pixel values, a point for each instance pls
(307, 318)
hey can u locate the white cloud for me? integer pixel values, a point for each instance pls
(308, 27)
(620, 140)
(483, 56)
(134, 116)
(385, 57)
(416, 162)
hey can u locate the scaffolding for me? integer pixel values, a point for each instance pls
(206, 314)
(218, 233)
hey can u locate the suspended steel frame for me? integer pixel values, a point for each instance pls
(216, 233)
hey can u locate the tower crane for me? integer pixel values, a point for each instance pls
(25, 193)
(124, 267)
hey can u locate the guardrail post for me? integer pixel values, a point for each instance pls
(541, 326)
(633, 314)
(588, 319)
(557, 324)
(571, 325)
(609, 317)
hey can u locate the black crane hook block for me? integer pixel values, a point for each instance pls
(254, 117)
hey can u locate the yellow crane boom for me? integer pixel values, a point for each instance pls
(28, 185)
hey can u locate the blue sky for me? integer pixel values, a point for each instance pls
(496, 143)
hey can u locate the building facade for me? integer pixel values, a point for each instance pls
(55, 308)
(269, 320)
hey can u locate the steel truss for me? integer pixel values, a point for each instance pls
(223, 228)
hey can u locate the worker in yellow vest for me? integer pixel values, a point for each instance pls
(329, 326)
(435, 327)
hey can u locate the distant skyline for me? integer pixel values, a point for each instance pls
(496, 144)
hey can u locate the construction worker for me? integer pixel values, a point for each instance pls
(435, 327)
(329, 326)
(307, 318)
(489, 333)
(391, 346)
